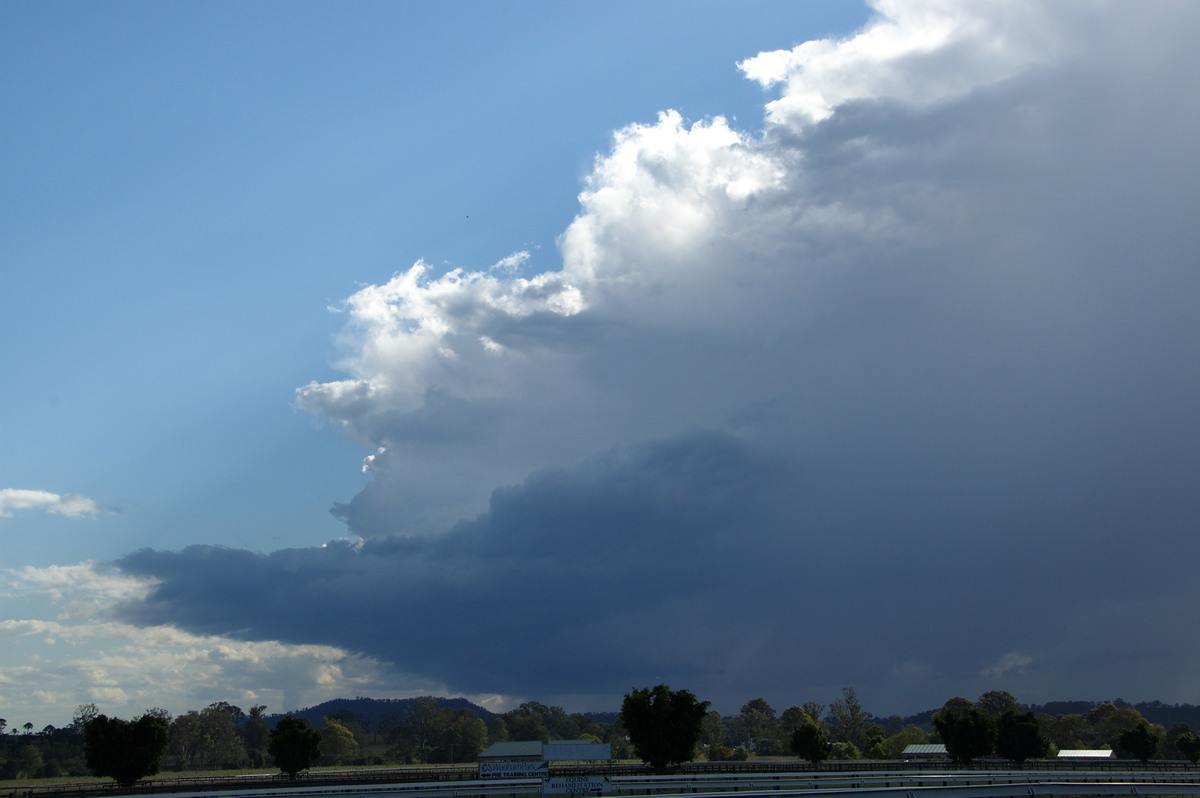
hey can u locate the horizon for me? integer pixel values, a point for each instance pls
(501, 350)
(779, 708)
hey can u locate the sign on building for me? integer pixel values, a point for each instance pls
(576, 785)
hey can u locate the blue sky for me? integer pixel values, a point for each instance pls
(543, 350)
(191, 186)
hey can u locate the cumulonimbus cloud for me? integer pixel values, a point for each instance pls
(940, 307)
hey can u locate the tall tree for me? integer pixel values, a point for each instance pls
(1108, 721)
(125, 750)
(83, 713)
(755, 727)
(220, 744)
(536, 721)
(415, 737)
(338, 746)
(810, 742)
(256, 733)
(814, 709)
(1140, 742)
(791, 719)
(850, 723)
(1188, 743)
(966, 732)
(498, 730)
(294, 745)
(1019, 737)
(465, 737)
(995, 703)
(664, 725)
(714, 729)
(186, 739)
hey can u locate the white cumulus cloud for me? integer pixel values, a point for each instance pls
(71, 505)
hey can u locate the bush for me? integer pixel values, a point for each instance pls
(845, 751)
(723, 753)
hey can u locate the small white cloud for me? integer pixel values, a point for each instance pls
(1012, 661)
(512, 263)
(72, 505)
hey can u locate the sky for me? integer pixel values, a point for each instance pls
(541, 351)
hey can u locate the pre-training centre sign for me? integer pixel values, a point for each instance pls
(514, 770)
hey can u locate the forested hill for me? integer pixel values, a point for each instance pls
(370, 711)
(1154, 711)
(1167, 715)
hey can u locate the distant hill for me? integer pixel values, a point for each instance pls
(371, 711)
(1154, 711)
(603, 717)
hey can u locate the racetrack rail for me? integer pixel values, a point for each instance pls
(781, 783)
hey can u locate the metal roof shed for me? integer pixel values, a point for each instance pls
(517, 751)
(924, 749)
(553, 751)
(1085, 753)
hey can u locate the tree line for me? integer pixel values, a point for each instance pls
(433, 731)
(995, 725)
(223, 736)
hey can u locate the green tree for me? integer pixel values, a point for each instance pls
(256, 733)
(893, 745)
(966, 732)
(995, 703)
(1108, 721)
(850, 723)
(755, 727)
(338, 746)
(664, 725)
(30, 763)
(1139, 743)
(416, 735)
(714, 729)
(1188, 743)
(498, 730)
(1068, 731)
(431, 732)
(465, 737)
(536, 721)
(294, 745)
(814, 709)
(792, 718)
(83, 713)
(220, 744)
(357, 724)
(186, 736)
(810, 742)
(1019, 737)
(125, 750)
